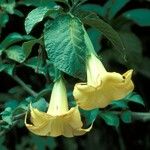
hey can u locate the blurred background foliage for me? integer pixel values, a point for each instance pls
(24, 66)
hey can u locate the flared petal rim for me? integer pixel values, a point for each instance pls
(68, 124)
(114, 86)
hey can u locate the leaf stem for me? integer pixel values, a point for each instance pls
(142, 116)
(25, 86)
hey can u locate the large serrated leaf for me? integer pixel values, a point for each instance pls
(93, 20)
(65, 46)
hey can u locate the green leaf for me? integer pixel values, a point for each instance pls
(126, 116)
(93, 7)
(119, 104)
(95, 37)
(8, 68)
(2, 139)
(140, 16)
(37, 64)
(41, 143)
(65, 46)
(38, 3)
(41, 104)
(90, 116)
(143, 68)
(7, 115)
(13, 38)
(133, 48)
(15, 53)
(9, 7)
(3, 19)
(94, 21)
(18, 13)
(11, 103)
(110, 118)
(27, 47)
(40, 13)
(19, 53)
(112, 7)
(134, 97)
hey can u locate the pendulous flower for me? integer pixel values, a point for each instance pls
(102, 87)
(58, 120)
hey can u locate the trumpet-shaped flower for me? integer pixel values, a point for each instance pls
(58, 120)
(102, 87)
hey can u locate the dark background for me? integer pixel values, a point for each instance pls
(129, 136)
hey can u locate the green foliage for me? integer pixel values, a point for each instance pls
(134, 97)
(40, 13)
(139, 16)
(93, 20)
(95, 37)
(110, 118)
(58, 47)
(38, 143)
(38, 3)
(90, 116)
(126, 116)
(63, 45)
(111, 8)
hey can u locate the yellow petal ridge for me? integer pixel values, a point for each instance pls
(102, 87)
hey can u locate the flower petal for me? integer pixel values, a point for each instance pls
(114, 86)
(67, 125)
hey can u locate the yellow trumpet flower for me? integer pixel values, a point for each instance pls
(58, 120)
(102, 87)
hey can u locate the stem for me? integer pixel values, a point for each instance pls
(142, 116)
(120, 139)
(15, 118)
(26, 87)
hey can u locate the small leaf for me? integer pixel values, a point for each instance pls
(41, 104)
(112, 7)
(27, 47)
(65, 46)
(134, 97)
(7, 115)
(140, 16)
(8, 68)
(13, 38)
(15, 53)
(12, 104)
(3, 19)
(40, 13)
(119, 104)
(110, 118)
(90, 116)
(126, 116)
(9, 7)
